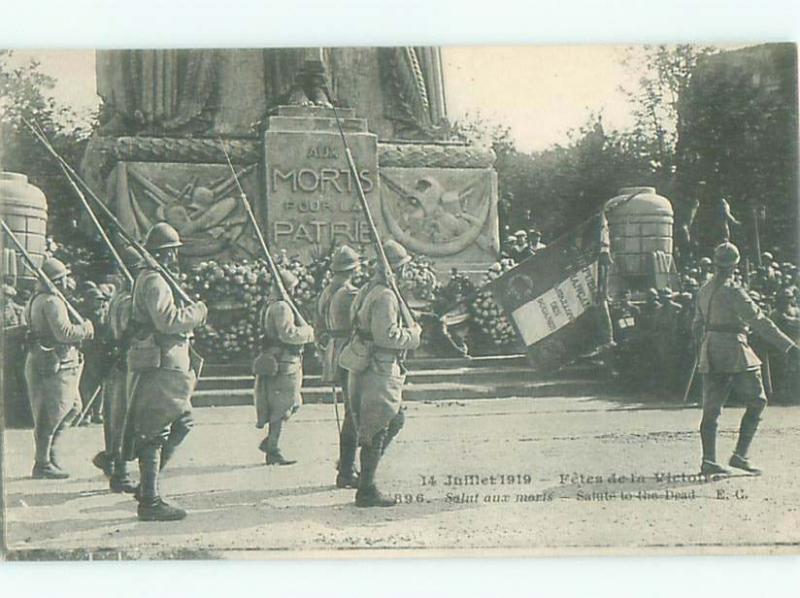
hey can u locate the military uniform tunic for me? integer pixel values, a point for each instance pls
(376, 392)
(161, 377)
(333, 314)
(724, 313)
(54, 363)
(115, 392)
(278, 396)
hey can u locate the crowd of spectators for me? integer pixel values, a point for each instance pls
(656, 347)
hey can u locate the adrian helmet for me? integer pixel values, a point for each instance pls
(54, 269)
(344, 259)
(162, 236)
(396, 253)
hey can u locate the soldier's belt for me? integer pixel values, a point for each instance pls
(339, 333)
(726, 329)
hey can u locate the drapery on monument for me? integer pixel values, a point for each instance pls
(167, 114)
(210, 92)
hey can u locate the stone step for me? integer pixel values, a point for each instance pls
(413, 364)
(433, 391)
(485, 375)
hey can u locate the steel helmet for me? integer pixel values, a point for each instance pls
(396, 253)
(162, 236)
(665, 292)
(344, 259)
(706, 261)
(54, 269)
(726, 255)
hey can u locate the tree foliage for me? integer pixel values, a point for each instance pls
(26, 92)
(738, 132)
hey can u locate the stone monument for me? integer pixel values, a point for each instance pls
(167, 114)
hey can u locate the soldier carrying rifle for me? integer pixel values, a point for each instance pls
(162, 372)
(53, 366)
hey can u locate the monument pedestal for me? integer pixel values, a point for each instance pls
(311, 200)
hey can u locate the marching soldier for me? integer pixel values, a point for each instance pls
(162, 372)
(279, 367)
(374, 360)
(115, 392)
(724, 313)
(333, 325)
(52, 369)
(665, 330)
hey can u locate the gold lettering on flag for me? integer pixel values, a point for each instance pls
(556, 307)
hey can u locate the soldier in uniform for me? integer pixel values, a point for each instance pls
(520, 250)
(52, 369)
(162, 372)
(279, 376)
(115, 392)
(374, 360)
(724, 313)
(333, 330)
(665, 330)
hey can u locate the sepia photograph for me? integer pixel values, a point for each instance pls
(395, 301)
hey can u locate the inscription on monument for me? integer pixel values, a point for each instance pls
(312, 195)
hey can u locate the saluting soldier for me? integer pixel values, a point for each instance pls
(374, 359)
(333, 330)
(52, 368)
(162, 372)
(724, 313)
(279, 367)
(115, 392)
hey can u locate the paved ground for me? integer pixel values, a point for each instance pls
(535, 449)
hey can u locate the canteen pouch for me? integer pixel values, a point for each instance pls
(355, 357)
(196, 362)
(265, 365)
(144, 354)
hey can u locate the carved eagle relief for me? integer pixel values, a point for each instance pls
(433, 220)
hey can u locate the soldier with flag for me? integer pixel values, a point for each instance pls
(333, 331)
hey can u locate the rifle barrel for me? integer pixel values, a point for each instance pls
(260, 236)
(40, 273)
(112, 218)
(362, 197)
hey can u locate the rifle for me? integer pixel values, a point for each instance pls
(408, 319)
(49, 284)
(259, 235)
(146, 255)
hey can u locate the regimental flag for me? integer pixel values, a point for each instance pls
(552, 298)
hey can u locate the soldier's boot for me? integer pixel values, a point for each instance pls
(47, 471)
(348, 445)
(368, 494)
(121, 480)
(103, 462)
(395, 425)
(151, 506)
(708, 438)
(747, 431)
(43, 469)
(274, 455)
(55, 444)
(177, 434)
